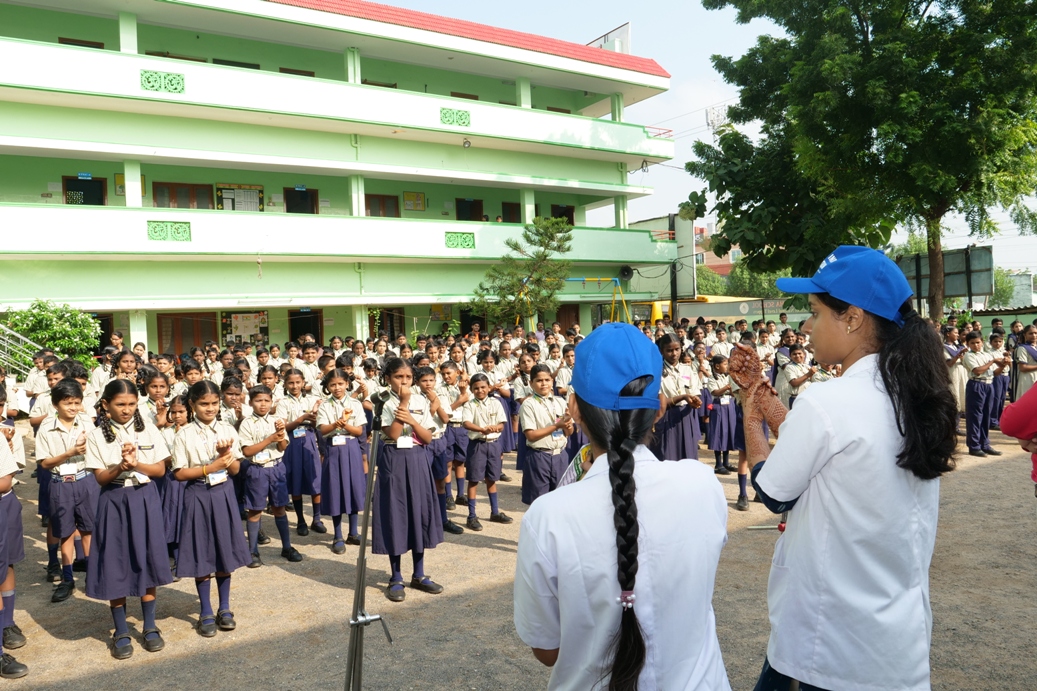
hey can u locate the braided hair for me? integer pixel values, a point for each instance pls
(197, 391)
(116, 387)
(620, 431)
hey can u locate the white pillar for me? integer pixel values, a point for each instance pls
(357, 205)
(360, 322)
(527, 199)
(617, 107)
(131, 182)
(139, 329)
(523, 93)
(127, 32)
(353, 65)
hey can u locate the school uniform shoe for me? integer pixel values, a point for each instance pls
(462, 502)
(302, 530)
(452, 528)
(395, 592)
(44, 521)
(124, 651)
(153, 644)
(256, 561)
(743, 503)
(11, 668)
(474, 524)
(978, 453)
(450, 503)
(263, 539)
(729, 468)
(225, 620)
(504, 477)
(79, 565)
(207, 626)
(318, 527)
(500, 517)
(291, 554)
(338, 547)
(352, 539)
(13, 638)
(63, 591)
(721, 470)
(426, 585)
(54, 573)
(991, 452)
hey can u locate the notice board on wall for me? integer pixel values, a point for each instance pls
(245, 327)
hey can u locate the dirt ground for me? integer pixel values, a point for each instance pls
(292, 618)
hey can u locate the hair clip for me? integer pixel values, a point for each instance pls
(626, 599)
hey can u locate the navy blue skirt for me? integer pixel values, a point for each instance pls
(520, 452)
(302, 462)
(12, 541)
(577, 440)
(265, 485)
(73, 505)
(507, 439)
(211, 539)
(405, 509)
(543, 470)
(677, 434)
(173, 506)
(128, 554)
(343, 483)
(723, 421)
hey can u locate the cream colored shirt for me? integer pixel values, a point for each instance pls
(195, 444)
(291, 408)
(255, 429)
(973, 360)
(448, 395)
(331, 411)
(100, 454)
(536, 413)
(419, 408)
(52, 439)
(679, 380)
(484, 413)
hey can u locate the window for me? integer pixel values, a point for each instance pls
(563, 211)
(384, 85)
(178, 332)
(235, 63)
(301, 73)
(298, 201)
(182, 195)
(81, 43)
(468, 209)
(558, 110)
(171, 56)
(458, 94)
(700, 257)
(735, 255)
(384, 205)
(511, 212)
(86, 192)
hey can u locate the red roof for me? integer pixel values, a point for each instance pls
(479, 32)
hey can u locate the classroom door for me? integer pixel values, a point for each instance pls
(468, 209)
(308, 322)
(300, 201)
(107, 323)
(93, 192)
(567, 315)
(563, 211)
(177, 333)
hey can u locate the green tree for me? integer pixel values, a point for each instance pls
(709, 282)
(1004, 288)
(875, 113)
(914, 244)
(70, 332)
(744, 282)
(526, 280)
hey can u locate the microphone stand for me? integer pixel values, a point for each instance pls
(360, 618)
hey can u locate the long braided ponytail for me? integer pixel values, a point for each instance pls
(620, 432)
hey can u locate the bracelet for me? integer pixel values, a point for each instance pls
(204, 471)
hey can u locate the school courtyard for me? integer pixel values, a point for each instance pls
(292, 618)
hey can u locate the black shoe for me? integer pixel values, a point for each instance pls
(504, 477)
(153, 644)
(743, 503)
(302, 530)
(338, 547)
(352, 539)
(13, 638)
(256, 561)
(225, 620)
(395, 592)
(978, 453)
(452, 528)
(264, 539)
(426, 585)
(291, 554)
(500, 517)
(462, 501)
(54, 573)
(474, 524)
(124, 651)
(79, 565)
(11, 668)
(63, 591)
(730, 468)
(318, 527)
(450, 503)
(991, 452)
(207, 626)
(721, 470)
(44, 521)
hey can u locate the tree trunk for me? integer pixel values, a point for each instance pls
(933, 241)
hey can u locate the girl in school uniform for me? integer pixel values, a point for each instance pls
(337, 346)
(500, 390)
(458, 357)
(302, 457)
(205, 452)
(795, 376)
(129, 556)
(61, 449)
(12, 551)
(233, 408)
(103, 372)
(340, 420)
(154, 390)
(1026, 361)
(173, 489)
(703, 371)
(453, 394)
(404, 512)
(270, 378)
(723, 418)
(439, 449)
(521, 389)
(1002, 380)
(545, 426)
(485, 420)
(953, 355)
(677, 432)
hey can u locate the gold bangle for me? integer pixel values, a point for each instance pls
(204, 471)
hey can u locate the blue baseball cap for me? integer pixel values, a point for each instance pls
(612, 356)
(859, 276)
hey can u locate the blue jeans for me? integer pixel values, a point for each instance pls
(773, 680)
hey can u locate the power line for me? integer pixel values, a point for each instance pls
(697, 110)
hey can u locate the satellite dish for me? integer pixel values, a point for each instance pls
(625, 272)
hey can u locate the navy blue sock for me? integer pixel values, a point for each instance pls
(66, 573)
(471, 508)
(460, 487)
(494, 509)
(394, 565)
(52, 554)
(316, 512)
(297, 505)
(336, 521)
(352, 525)
(119, 618)
(717, 455)
(282, 529)
(742, 479)
(223, 588)
(442, 506)
(149, 618)
(252, 528)
(80, 554)
(419, 564)
(7, 617)
(204, 588)
(727, 455)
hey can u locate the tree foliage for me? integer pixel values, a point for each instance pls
(743, 281)
(709, 282)
(526, 280)
(874, 114)
(68, 331)
(1004, 289)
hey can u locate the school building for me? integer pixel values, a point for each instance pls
(196, 169)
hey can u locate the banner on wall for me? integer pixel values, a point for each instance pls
(441, 313)
(245, 327)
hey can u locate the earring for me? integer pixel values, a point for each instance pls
(848, 329)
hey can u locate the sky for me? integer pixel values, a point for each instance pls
(681, 36)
